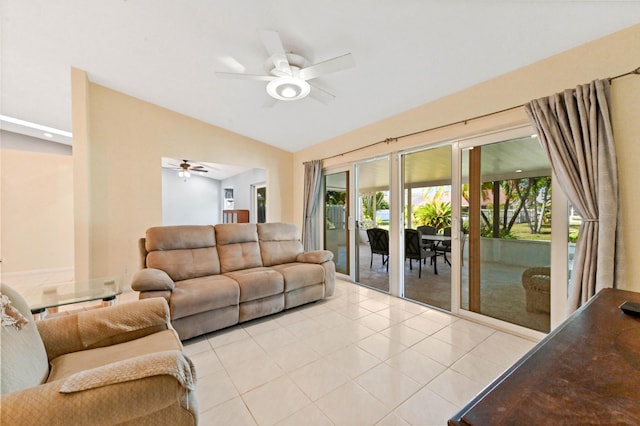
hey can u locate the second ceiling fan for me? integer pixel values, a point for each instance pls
(289, 77)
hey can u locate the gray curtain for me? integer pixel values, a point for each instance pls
(574, 128)
(312, 184)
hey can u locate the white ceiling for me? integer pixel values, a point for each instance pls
(407, 53)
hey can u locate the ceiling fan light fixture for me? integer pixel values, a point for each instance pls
(288, 88)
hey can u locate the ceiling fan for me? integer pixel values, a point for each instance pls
(185, 169)
(289, 76)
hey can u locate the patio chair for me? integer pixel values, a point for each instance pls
(379, 242)
(415, 249)
(445, 246)
(428, 230)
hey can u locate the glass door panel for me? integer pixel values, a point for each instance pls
(506, 210)
(427, 208)
(336, 213)
(372, 184)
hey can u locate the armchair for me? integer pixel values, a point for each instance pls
(117, 365)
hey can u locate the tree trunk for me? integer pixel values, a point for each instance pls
(522, 196)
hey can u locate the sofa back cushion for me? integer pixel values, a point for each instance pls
(238, 246)
(24, 358)
(183, 252)
(279, 243)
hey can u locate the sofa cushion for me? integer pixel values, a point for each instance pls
(298, 275)
(238, 246)
(257, 283)
(203, 294)
(279, 243)
(185, 264)
(74, 362)
(179, 237)
(232, 233)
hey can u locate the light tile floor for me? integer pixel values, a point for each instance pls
(360, 357)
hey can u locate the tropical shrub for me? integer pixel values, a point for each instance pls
(437, 214)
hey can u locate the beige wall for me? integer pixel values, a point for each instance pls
(37, 213)
(122, 149)
(607, 57)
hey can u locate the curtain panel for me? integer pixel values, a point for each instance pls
(312, 185)
(574, 128)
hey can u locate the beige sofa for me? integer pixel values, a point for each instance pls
(217, 276)
(121, 365)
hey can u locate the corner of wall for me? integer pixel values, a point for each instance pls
(81, 175)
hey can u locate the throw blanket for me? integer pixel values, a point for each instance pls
(173, 363)
(10, 315)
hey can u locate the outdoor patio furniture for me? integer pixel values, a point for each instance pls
(415, 249)
(428, 230)
(536, 283)
(379, 242)
(445, 246)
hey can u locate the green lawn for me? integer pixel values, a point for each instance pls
(521, 231)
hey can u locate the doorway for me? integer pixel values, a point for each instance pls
(259, 203)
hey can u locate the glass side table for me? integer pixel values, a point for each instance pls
(50, 298)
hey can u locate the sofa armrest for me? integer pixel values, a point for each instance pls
(316, 256)
(83, 399)
(103, 327)
(151, 279)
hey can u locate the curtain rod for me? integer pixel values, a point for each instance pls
(391, 140)
(636, 71)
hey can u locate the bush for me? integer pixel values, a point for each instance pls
(434, 214)
(573, 236)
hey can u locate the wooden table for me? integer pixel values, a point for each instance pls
(587, 371)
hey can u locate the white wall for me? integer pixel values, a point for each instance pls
(195, 201)
(241, 185)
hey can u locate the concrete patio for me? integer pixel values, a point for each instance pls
(502, 294)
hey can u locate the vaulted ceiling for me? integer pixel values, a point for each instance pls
(407, 53)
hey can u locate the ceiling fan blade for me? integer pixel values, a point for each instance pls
(273, 44)
(245, 76)
(338, 63)
(200, 170)
(321, 95)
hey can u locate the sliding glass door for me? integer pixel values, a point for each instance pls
(482, 209)
(506, 214)
(427, 209)
(372, 213)
(336, 215)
